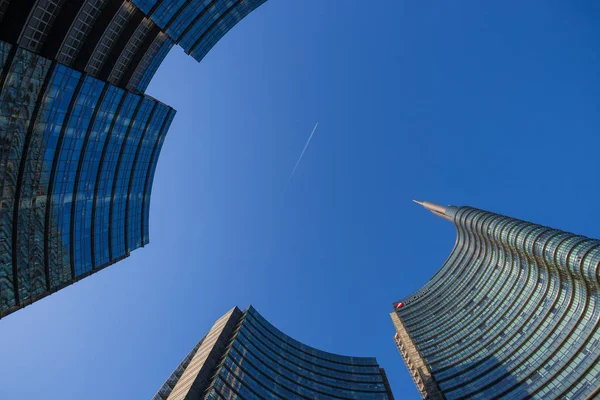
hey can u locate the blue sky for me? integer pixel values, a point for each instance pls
(490, 105)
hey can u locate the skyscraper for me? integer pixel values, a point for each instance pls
(513, 313)
(244, 356)
(196, 25)
(79, 140)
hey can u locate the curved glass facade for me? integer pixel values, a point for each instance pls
(513, 313)
(76, 169)
(79, 141)
(197, 25)
(258, 361)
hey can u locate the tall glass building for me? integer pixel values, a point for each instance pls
(79, 139)
(512, 314)
(196, 25)
(243, 356)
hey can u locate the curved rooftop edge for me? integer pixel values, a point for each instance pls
(79, 139)
(197, 25)
(74, 193)
(245, 356)
(514, 312)
(122, 42)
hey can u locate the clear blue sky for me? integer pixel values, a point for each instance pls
(496, 106)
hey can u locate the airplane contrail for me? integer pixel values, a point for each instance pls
(304, 150)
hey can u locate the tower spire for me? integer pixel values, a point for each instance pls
(436, 209)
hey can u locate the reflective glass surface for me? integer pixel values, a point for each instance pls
(86, 183)
(513, 313)
(77, 157)
(123, 170)
(243, 356)
(263, 362)
(24, 75)
(197, 25)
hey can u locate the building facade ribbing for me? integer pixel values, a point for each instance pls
(196, 25)
(243, 356)
(79, 139)
(77, 164)
(513, 313)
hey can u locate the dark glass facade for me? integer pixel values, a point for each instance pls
(79, 140)
(119, 41)
(197, 25)
(78, 156)
(245, 357)
(513, 313)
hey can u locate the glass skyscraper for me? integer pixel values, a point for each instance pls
(243, 356)
(197, 25)
(79, 139)
(512, 314)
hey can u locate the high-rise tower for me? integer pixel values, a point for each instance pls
(244, 356)
(513, 313)
(79, 140)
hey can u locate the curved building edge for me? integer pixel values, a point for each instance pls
(121, 42)
(244, 355)
(59, 125)
(80, 164)
(513, 312)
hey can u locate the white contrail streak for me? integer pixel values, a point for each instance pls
(304, 150)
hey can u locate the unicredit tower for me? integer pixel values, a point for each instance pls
(512, 314)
